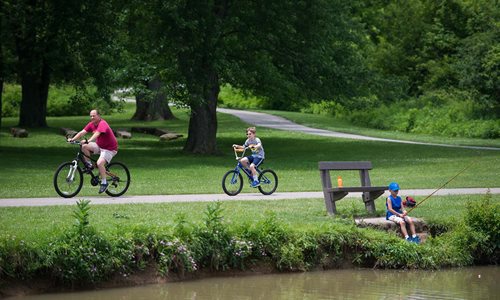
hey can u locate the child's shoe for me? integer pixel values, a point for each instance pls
(409, 239)
(416, 240)
(255, 183)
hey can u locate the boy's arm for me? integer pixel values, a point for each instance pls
(256, 146)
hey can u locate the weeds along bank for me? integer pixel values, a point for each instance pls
(83, 257)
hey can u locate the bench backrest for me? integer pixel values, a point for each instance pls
(345, 165)
(362, 166)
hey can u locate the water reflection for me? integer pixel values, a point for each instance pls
(469, 283)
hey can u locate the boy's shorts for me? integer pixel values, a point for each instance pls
(397, 219)
(103, 153)
(256, 160)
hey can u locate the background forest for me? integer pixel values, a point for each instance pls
(420, 66)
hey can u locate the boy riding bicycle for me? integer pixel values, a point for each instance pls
(257, 157)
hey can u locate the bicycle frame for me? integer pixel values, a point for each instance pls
(80, 158)
(239, 166)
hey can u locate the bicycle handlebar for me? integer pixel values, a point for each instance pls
(77, 142)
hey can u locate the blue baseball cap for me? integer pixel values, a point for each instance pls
(393, 186)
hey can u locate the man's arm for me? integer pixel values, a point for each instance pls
(78, 135)
(94, 136)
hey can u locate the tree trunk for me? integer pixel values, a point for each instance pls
(1, 93)
(154, 107)
(202, 134)
(1, 68)
(35, 90)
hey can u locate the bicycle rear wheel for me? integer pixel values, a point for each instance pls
(118, 178)
(268, 182)
(232, 183)
(68, 180)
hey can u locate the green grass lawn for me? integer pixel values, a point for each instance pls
(158, 167)
(46, 223)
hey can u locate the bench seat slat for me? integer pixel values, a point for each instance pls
(358, 189)
(345, 165)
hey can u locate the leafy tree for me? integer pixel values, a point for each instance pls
(478, 55)
(57, 41)
(448, 45)
(137, 65)
(7, 60)
(288, 51)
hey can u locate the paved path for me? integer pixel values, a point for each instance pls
(219, 197)
(275, 122)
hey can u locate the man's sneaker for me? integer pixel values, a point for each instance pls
(103, 188)
(255, 183)
(416, 240)
(89, 166)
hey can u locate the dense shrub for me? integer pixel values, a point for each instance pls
(19, 259)
(233, 98)
(62, 101)
(483, 227)
(444, 113)
(82, 255)
(212, 240)
(330, 108)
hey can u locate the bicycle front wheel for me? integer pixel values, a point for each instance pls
(118, 178)
(68, 180)
(268, 182)
(232, 183)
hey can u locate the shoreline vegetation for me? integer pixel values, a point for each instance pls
(83, 257)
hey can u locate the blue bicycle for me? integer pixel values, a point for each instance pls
(232, 182)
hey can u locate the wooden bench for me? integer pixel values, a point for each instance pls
(332, 194)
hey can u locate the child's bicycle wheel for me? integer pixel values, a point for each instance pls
(268, 182)
(232, 183)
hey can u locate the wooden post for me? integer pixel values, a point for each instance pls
(326, 182)
(367, 199)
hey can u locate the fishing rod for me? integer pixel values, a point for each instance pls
(442, 186)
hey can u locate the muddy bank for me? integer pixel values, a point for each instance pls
(150, 275)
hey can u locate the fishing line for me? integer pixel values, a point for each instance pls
(442, 186)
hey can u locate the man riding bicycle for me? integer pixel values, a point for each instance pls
(102, 142)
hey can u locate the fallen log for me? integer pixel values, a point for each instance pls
(170, 136)
(68, 132)
(19, 132)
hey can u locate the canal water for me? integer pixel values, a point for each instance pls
(466, 283)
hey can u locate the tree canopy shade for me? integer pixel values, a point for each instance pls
(54, 41)
(288, 51)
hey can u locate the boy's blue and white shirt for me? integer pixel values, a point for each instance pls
(259, 152)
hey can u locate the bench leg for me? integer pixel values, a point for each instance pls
(369, 202)
(329, 203)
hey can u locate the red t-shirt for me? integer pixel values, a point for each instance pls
(106, 140)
